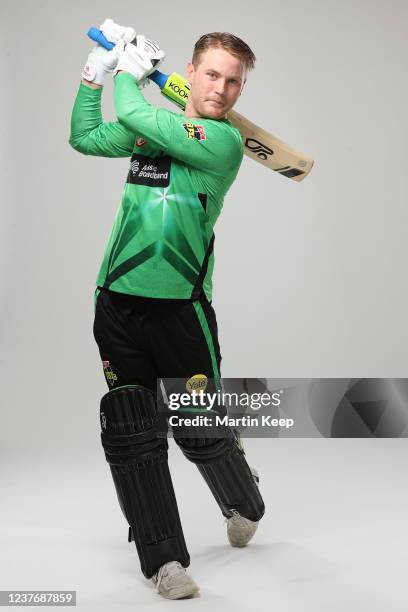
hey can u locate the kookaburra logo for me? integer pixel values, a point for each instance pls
(261, 150)
(183, 93)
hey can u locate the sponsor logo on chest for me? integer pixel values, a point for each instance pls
(153, 172)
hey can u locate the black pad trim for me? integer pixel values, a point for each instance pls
(224, 468)
(138, 462)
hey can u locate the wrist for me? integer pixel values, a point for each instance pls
(91, 85)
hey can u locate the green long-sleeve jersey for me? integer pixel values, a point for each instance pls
(162, 240)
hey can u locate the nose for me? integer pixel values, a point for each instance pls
(220, 87)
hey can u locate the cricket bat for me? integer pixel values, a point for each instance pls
(258, 143)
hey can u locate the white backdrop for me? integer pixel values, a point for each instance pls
(310, 277)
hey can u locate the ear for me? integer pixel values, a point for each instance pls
(242, 86)
(190, 71)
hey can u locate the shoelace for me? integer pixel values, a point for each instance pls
(235, 516)
(165, 571)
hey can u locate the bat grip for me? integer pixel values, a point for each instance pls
(100, 38)
(95, 34)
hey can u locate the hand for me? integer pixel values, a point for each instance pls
(101, 62)
(114, 32)
(140, 58)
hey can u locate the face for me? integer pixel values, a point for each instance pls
(216, 83)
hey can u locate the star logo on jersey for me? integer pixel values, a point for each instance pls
(160, 209)
(195, 131)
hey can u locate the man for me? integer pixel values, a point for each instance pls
(153, 313)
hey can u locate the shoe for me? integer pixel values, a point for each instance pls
(173, 582)
(240, 530)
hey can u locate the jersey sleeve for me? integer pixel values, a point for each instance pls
(90, 135)
(211, 146)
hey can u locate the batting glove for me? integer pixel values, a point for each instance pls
(101, 62)
(114, 32)
(140, 58)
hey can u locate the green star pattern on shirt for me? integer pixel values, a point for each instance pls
(167, 212)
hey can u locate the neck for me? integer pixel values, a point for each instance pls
(190, 111)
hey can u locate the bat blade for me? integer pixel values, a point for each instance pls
(270, 151)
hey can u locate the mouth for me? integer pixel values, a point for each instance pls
(216, 103)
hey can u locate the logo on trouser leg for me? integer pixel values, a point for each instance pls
(197, 383)
(110, 375)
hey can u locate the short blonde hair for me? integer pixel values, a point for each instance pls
(227, 41)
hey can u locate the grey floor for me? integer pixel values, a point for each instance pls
(334, 537)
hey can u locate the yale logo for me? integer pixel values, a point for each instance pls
(197, 383)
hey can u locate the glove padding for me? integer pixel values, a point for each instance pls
(114, 32)
(140, 58)
(101, 62)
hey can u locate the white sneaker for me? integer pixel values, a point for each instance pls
(240, 530)
(173, 582)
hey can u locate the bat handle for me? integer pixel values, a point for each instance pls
(100, 38)
(95, 34)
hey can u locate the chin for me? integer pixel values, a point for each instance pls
(214, 113)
